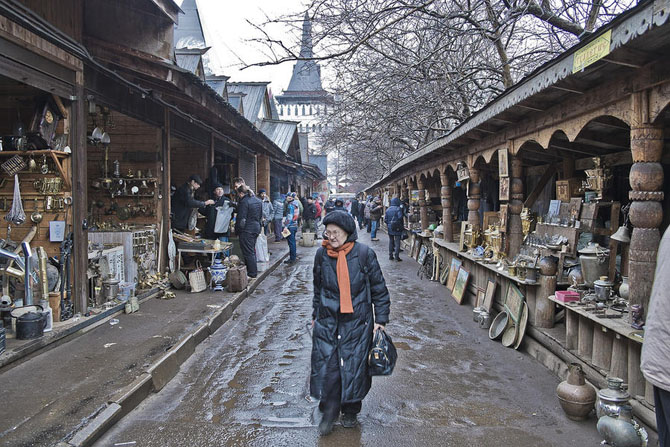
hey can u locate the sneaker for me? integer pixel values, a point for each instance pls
(326, 426)
(349, 420)
(390, 258)
(398, 259)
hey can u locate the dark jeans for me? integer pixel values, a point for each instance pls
(248, 246)
(278, 236)
(291, 243)
(374, 225)
(662, 400)
(331, 404)
(394, 246)
(368, 223)
(360, 220)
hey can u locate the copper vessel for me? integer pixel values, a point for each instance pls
(575, 395)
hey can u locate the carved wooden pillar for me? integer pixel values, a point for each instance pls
(445, 196)
(422, 204)
(646, 210)
(514, 230)
(545, 309)
(474, 194)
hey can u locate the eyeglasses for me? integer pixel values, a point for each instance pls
(333, 234)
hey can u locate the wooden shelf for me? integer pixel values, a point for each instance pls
(55, 156)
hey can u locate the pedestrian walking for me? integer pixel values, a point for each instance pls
(278, 215)
(655, 364)
(319, 216)
(330, 206)
(309, 217)
(291, 222)
(350, 302)
(248, 227)
(368, 221)
(339, 205)
(184, 203)
(361, 214)
(395, 228)
(376, 210)
(354, 209)
(268, 211)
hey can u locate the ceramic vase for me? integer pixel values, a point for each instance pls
(575, 395)
(624, 288)
(218, 271)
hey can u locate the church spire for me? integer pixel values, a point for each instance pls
(306, 73)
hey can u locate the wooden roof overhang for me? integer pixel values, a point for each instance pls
(553, 99)
(190, 99)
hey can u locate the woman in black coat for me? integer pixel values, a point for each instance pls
(346, 308)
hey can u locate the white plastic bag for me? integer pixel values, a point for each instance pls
(223, 215)
(262, 254)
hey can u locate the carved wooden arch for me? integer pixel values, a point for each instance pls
(489, 153)
(659, 101)
(478, 160)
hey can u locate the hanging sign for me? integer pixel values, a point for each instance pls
(594, 51)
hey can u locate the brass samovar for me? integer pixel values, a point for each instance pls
(597, 179)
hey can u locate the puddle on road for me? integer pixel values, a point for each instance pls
(288, 356)
(454, 333)
(402, 345)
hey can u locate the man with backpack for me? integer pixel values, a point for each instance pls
(394, 222)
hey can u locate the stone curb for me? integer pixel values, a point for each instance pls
(162, 371)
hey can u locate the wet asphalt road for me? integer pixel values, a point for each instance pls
(248, 383)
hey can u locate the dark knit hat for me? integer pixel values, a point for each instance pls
(261, 191)
(343, 220)
(196, 178)
(216, 185)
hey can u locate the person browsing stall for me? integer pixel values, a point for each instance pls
(184, 203)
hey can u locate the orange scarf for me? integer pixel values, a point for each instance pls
(342, 274)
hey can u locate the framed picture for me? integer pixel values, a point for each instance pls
(554, 207)
(461, 282)
(514, 302)
(453, 272)
(480, 297)
(503, 217)
(489, 295)
(503, 166)
(444, 275)
(491, 218)
(422, 254)
(504, 188)
(461, 242)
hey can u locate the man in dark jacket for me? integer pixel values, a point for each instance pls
(248, 227)
(184, 204)
(339, 205)
(395, 227)
(309, 217)
(330, 206)
(344, 319)
(354, 208)
(376, 210)
(210, 212)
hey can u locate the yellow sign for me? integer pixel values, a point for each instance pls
(592, 52)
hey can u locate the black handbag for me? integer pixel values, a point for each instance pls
(382, 356)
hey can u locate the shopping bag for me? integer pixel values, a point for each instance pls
(262, 254)
(286, 232)
(223, 215)
(196, 278)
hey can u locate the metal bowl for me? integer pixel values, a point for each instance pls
(498, 325)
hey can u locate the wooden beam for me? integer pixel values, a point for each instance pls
(79, 192)
(532, 197)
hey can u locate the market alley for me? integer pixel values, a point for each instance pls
(248, 383)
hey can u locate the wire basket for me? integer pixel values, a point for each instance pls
(14, 165)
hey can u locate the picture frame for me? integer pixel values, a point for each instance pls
(503, 164)
(481, 294)
(461, 283)
(514, 302)
(489, 294)
(453, 272)
(503, 190)
(444, 275)
(504, 210)
(423, 251)
(461, 242)
(491, 218)
(554, 208)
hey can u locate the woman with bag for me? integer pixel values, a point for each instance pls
(350, 302)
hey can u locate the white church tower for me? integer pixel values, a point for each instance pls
(305, 100)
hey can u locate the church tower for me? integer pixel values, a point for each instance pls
(305, 100)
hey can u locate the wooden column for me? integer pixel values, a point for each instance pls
(474, 195)
(445, 196)
(79, 257)
(165, 191)
(646, 210)
(263, 173)
(514, 230)
(422, 204)
(545, 309)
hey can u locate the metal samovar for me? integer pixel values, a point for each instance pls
(527, 222)
(597, 179)
(471, 236)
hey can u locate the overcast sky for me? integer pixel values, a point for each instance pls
(226, 31)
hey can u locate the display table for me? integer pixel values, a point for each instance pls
(225, 246)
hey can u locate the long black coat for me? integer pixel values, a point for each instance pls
(249, 215)
(349, 336)
(182, 206)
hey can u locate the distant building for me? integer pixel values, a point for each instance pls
(305, 100)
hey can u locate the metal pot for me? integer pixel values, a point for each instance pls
(612, 398)
(485, 319)
(603, 289)
(30, 322)
(110, 289)
(594, 260)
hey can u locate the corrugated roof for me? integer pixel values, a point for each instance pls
(218, 84)
(321, 161)
(303, 139)
(254, 98)
(280, 132)
(188, 31)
